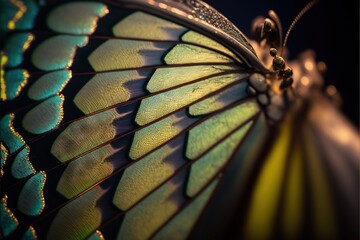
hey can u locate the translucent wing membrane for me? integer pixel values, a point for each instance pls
(116, 117)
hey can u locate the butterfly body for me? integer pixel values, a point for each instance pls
(154, 119)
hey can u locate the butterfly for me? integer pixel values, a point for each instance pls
(137, 119)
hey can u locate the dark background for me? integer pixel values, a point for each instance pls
(331, 28)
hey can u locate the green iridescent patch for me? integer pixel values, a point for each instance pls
(97, 235)
(116, 54)
(152, 136)
(8, 222)
(76, 17)
(85, 171)
(15, 81)
(108, 89)
(79, 218)
(49, 84)
(15, 46)
(220, 100)
(7, 13)
(205, 168)
(180, 226)
(161, 104)
(142, 177)
(164, 78)
(30, 234)
(18, 14)
(85, 134)
(208, 133)
(45, 116)
(57, 52)
(28, 19)
(31, 199)
(186, 53)
(197, 38)
(22, 167)
(8, 135)
(145, 218)
(145, 26)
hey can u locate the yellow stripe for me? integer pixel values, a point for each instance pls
(266, 195)
(292, 213)
(4, 60)
(18, 15)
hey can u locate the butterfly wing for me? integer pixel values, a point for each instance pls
(127, 120)
(119, 122)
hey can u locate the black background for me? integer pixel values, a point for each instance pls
(331, 28)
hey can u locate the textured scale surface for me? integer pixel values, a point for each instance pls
(122, 123)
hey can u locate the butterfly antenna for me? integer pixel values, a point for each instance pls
(297, 18)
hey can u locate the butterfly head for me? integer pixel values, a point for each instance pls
(287, 82)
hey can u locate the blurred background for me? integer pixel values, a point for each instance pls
(330, 28)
